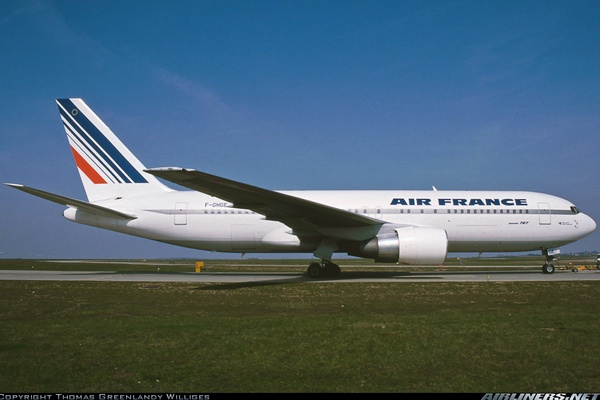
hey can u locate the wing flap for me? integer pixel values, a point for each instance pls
(74, 203)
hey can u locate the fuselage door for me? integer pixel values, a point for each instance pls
(545, 215)
(180, 213)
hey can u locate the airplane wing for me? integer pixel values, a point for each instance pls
(297, 213)
(73, 203)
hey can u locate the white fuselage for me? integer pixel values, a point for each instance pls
(475, 221)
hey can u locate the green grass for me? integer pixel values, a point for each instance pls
(299, 337)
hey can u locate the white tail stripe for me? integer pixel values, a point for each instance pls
(90, 155)
(99, 146)
(107, 168)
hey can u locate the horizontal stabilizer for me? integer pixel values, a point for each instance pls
(73, 203)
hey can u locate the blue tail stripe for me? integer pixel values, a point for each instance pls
(106, 147)
(85, 148)
(107, 150)
(84, 139)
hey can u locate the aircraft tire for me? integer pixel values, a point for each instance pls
(333, 270)
(548, 268)
(314, 270)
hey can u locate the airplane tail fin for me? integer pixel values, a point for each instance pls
(106, 166)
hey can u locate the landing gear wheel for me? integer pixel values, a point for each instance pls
(332, 270)
(325, 270)
(548, 268)
(314, 270)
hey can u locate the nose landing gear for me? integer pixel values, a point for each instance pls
(548, 267)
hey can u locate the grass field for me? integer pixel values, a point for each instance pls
(297, 337)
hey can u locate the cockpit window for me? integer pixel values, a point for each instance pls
(575, 210)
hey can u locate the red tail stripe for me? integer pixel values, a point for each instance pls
(86, 168)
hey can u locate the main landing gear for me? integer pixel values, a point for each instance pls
(326, 269)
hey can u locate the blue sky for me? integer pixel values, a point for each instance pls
(300, 95)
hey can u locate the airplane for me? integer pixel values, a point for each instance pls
(404, 227)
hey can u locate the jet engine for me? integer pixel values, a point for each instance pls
(409, 245)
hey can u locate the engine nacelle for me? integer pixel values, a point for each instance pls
(410, 245)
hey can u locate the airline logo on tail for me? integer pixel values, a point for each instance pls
(95, 154)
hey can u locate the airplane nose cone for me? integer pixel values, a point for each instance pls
(587, 224)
